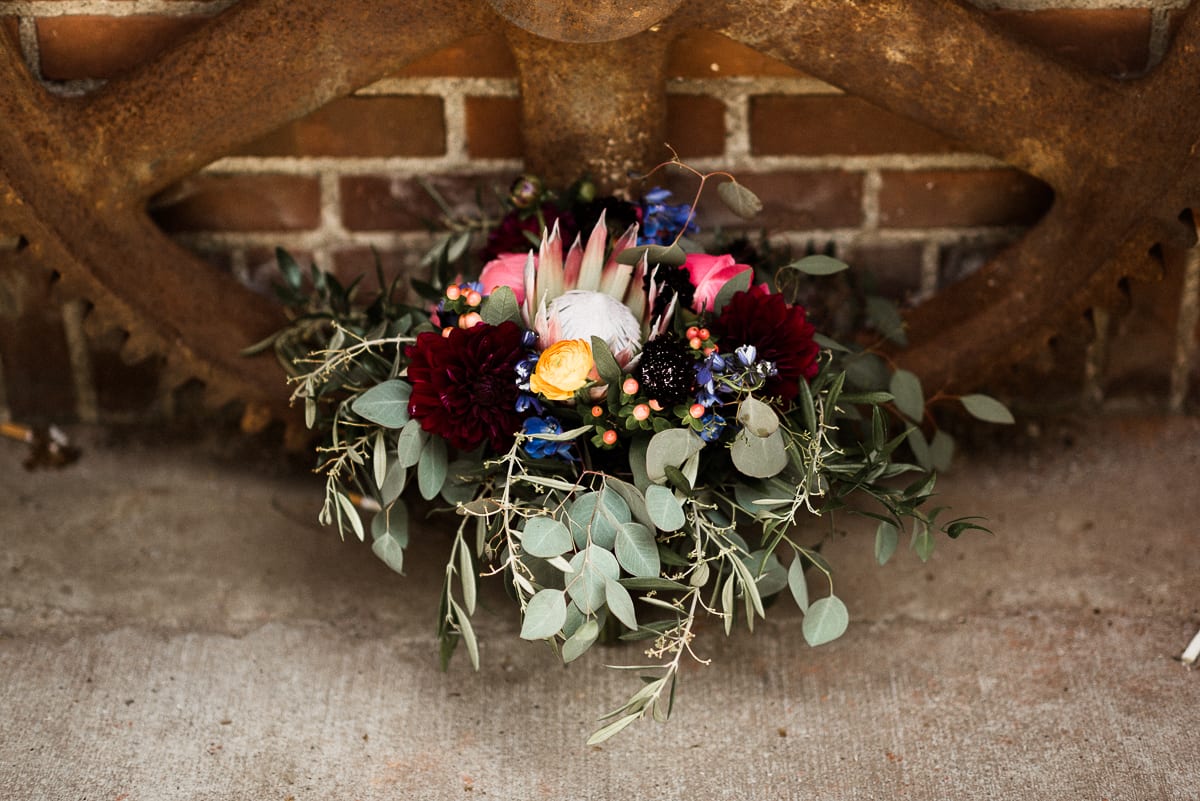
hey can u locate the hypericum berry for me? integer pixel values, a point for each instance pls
(453, 292)
(704, 334)
(474, 298)
(446, 331)
(655, 405)
(692, 332)
(630, 387)
(695, 343)
(609, 437)
(641, 411)
(597, 411)
(697, 410)
(470, 320)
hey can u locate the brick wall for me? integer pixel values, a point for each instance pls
(897, 200)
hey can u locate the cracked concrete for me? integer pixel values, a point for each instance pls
(174, 626)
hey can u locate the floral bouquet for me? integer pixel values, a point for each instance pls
(630, 434)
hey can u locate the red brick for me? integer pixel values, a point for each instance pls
(957, 198)
(702, 54)
(956, 262)
(240, 203)
(892, 269)
(1114, 41)
(792, 200)
(100, 47)
(410, 125)
(12, 29)
(494, 128)
(696, 125)
(483, 56)
(814, 125)
(351, 263)
(376, 203)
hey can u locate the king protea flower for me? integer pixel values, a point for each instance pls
(581, 294)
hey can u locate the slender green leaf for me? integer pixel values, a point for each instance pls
(602, 734)
(466, 576)
(467, 632)
(351, 512)
(671, 255)
(797, 583)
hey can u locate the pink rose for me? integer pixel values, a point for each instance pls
(708, 274)
(507, 269)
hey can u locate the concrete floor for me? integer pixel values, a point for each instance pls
(174, 626)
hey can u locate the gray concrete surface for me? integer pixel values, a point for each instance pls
(174, 626)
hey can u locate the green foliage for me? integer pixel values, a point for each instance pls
(740, 200)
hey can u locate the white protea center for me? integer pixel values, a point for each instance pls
(581, 314)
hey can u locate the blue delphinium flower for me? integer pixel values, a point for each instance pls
(544, 448)
(662, 222)
(527, 400)
(712, 425)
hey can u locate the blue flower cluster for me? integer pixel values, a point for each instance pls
(662, 222)
(527, 400)
(544, 448)
(719, 376)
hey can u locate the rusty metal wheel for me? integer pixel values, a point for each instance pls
(76, 174)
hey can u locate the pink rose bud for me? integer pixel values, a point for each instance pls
(506, 270)
(708, 274)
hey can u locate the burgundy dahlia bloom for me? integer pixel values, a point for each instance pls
(779, 333)
(464, 385)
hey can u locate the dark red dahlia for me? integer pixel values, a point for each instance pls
(779, 333)
(464, 385)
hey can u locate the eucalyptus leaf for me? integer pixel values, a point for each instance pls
(884, 315)
(757, 417)
(633, 498)
(887, 536)
(987, 408)
(595, 517)
(431, 470)
(393, 482)
(867, 371)
(592, 566)
(580, 640)
(637, 551)
(545, 537)
(620, 603)
(671, 447)
(759, 457)
(664, 508)
(818, 264)
(825, 621)
(941, 451)
(545, 615)
(920, 448)
(740, 200)
(390, 550)
(410, 443)
(379, 458)
(392, 520)
(910, 399)
(385, 404)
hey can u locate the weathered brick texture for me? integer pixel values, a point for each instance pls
(906, 206)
